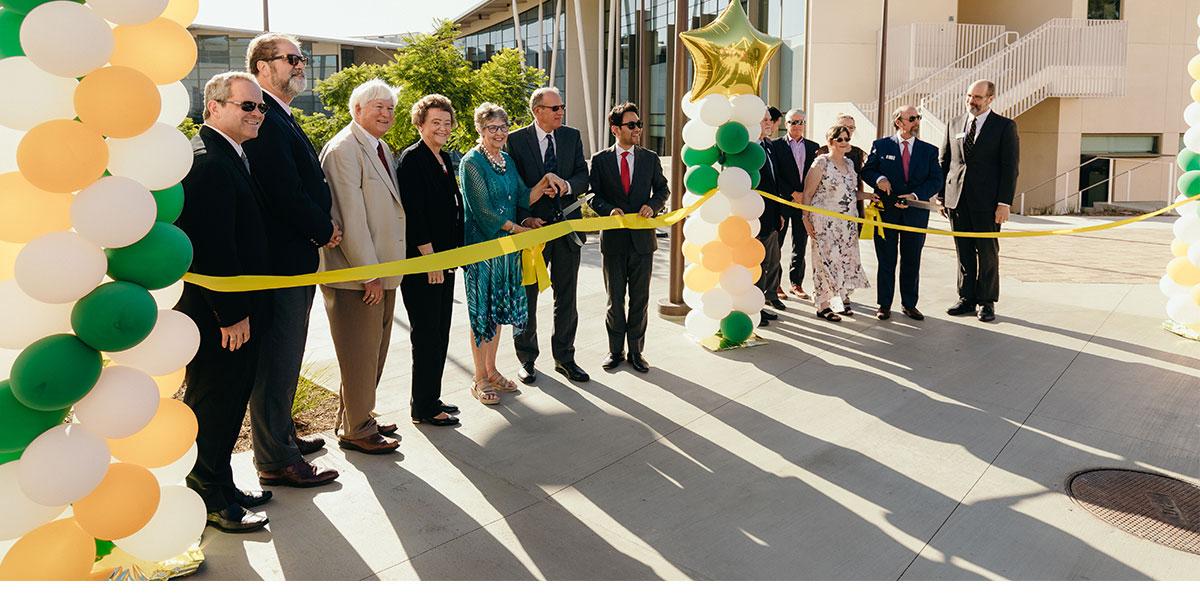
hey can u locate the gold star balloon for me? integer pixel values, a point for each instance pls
(730, 54)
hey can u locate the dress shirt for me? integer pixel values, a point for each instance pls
(978, 123)
(284, 105)
(798, 151)
(617, 150)
(236, 146)
(543, 143)
(912, 145)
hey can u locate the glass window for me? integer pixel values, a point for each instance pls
(1119, 144)
(1104, 9)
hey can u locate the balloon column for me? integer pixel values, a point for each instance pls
(90, 165)
(721, 153)
(1181, 284)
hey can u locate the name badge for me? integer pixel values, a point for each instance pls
(960, 135)
(890, 157)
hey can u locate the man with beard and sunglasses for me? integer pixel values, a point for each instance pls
(298, 203)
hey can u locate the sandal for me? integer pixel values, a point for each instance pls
(502, 384)
(828, 315)
(484, 394)
(847, 310)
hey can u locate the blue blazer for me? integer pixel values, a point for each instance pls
(924, 178)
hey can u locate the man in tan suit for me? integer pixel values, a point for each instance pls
(366, 205)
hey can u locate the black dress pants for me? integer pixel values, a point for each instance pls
(799, 247)
(909, 245)
(627, 273)
(978, 258)
(430, 308)
(562, 259)
(218, 389)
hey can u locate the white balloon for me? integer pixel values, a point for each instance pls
(121, 403)
(749, 301)
(1169, 288)
(715, 110)
(734, 182)
(1187, 227)
(717, 303)
(169, 347)
(736, 279)
(691, 109)
(1193, 254)
(9, 140)
(114, 212)
(25, 320)
(21, 515)
(699, 135)
(716, 209)
(1183, 309)
(692, 298)
(63, 465)
(755, 227)
(60, 267)
(33, 96)
(166, 298)
(1191, 114)
(748, 110)
(1191, 139)
(129, 12)
(690, 198)
(66, 39)
(157, 159)
(176, 103)
(700, 326)
(175, 526)
(698, 231)
(748, 206)
(176, 472)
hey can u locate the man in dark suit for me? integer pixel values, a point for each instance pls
(298, 219)
(902, 168)
(222, 218)
(771, 220)
(627, 179)
(795, 154)
(547, 146)
(979, 160)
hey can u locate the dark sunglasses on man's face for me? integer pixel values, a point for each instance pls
(911, 118)
(632, 125)
(555, 108)
(292, 59)
(795, 122)
(248, 105)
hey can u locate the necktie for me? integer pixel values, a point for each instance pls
(382, 157)
(550, 160)
(969, 141)
(905, 156)
(625, 171)
(245, 161)
(766, 146)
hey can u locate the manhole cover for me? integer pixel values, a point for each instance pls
(1154, 507)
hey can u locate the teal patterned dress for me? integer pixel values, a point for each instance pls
(495, 295)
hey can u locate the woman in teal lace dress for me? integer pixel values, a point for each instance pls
(492, 190)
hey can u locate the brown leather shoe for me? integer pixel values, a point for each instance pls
(373, 444)
(388, 429)
(301, 474)
(309, 445)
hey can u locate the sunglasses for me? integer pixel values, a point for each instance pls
(496, 128)
(841, 140)
(795, 122)
(292, 59)
(632, 125)
(555, 108)
(248, 105)
(911, 118)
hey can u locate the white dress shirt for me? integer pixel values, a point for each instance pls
(236, 146)
(543, 143)
(978, 123)
(617, 150)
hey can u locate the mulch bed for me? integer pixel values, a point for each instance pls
(315, 411)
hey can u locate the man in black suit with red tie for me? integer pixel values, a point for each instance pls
(627, 179)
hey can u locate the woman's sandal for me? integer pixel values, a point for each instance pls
(828, 315)
(502, 384)
(484, 394)
(847, 310)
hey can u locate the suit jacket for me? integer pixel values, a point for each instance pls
(366, 205)
(768, 182)
(526, 152)
(924, 177)
(647, 188)
(989, 176)
(297, 196)
(433, 204)
(223, 218)
(789, 175)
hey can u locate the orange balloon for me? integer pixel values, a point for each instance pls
(756, 273)
(8, 259)
(162, 49)
(162, 441)
(57, 551)
(716, 256)
(182, 11)
(118, 101)
(1183, 272)
(121, 505)
(749, 254)
(691, 252)
(699, 279)
(1179, 248)
(170, 383)
(27, 212)
(733, 231)
(62, 156)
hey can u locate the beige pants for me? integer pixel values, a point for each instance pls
(361, 333)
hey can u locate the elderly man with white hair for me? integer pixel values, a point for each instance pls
(366, 206)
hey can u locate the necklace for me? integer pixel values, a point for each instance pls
(498, 163)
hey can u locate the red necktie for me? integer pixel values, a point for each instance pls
(905, 156)
(387, 168)
(625, 171)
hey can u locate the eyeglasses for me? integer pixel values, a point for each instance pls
(631, 125)
(911, 118)
(555, 108)
(496, 128)
(800, 122)
(841, 140)
(292, 59)
(248, 105)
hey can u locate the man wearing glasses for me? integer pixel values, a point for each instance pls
(298, 203)
(627, 179)
(795, 155)
(547, 146)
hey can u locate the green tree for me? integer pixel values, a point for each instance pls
(189, 127)
(505, 80)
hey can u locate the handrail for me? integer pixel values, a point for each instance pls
(1145, 161)
(1068, 171)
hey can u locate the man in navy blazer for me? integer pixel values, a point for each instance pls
(902, 168)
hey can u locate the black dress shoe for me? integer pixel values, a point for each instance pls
(445, 422)
(987, 312)
(883, 314)
(252, 498)
(913, 313)
(526, 372)
(310, 445)
(775, 302)
(449, 408)
(612, 361)
(961, 308)
(572, 371)
(763, 321)
(770, 316)
(638, 362)
(235, 519)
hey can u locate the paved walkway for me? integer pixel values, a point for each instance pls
(860, 450)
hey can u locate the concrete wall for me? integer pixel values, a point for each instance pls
(1023, 16)
(1049, 145)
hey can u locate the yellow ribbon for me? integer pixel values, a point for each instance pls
(871, 220)
(533, 267)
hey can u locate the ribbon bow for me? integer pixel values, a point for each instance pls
(871, 215)
(533, 268)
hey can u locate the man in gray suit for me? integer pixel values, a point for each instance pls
(979, 159)
(547, 146)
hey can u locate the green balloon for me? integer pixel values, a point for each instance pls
(1188, 160)
(7, 457)
(24, 6)
(1189, 183)
(736, 328)
(732, 137)
(755, 179)
(10, 33)
(706, 156)
(55, 372)
(170, 203)
(103, 548)
(155, 261)
(115, 316)
(20, 424)
(700, 179)
(750, 160)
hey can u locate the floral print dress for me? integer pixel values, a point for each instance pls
(838, 267)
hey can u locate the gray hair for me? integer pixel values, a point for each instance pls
(370, 91)
(841, 116)
(535, 100)
(899, 112)
(220, 87)
(487, 112)
(264, 47)
(795, 112)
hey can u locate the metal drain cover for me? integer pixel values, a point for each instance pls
(1158, 508)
